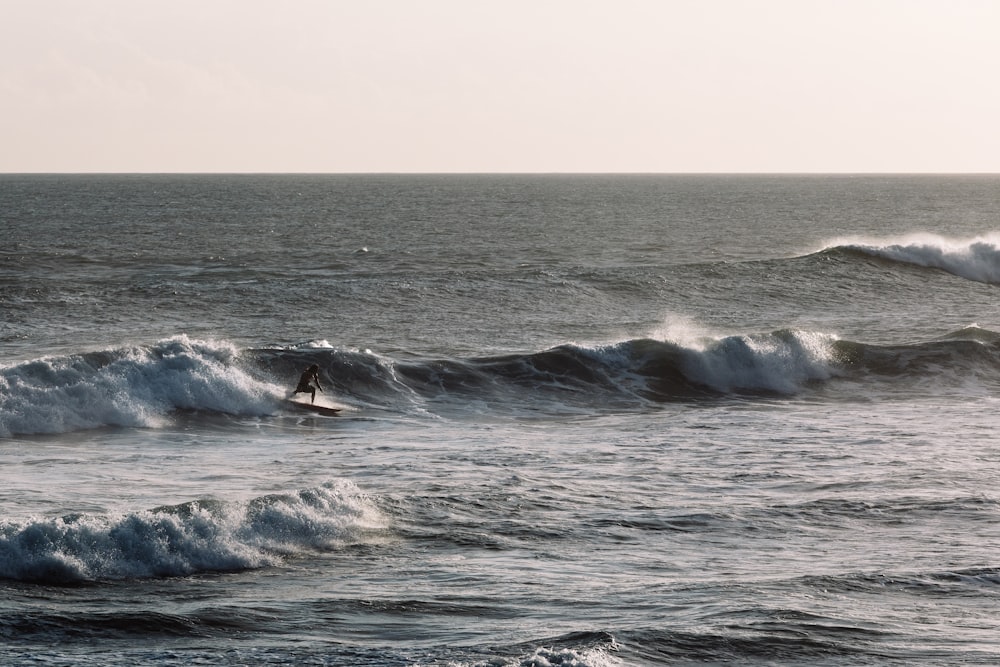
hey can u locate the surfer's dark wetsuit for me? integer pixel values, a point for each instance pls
(310, 374)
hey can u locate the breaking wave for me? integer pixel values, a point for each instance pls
(976, 259)
(132, 386)
(196, 537)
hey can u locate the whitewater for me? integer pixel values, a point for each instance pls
(585, 420)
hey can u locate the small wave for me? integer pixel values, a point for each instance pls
(845, 511)
(196, 537)
(976, 259)
(758, 636)
(972, 582)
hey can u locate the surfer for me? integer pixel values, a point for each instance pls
(310, 374)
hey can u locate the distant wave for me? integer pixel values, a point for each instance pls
(975, 259)
(199, 536)
(147, 386)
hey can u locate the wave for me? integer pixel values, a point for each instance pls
(645, 371)
(147, 386)
(135, 386)
(573, 376)
(976, 259)
(196, 537)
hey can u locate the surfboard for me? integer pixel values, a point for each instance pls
(313, 407)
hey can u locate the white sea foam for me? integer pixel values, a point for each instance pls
(555, 657)
(132, 386)
(321, 344)
(207, 536)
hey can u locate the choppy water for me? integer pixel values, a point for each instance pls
(588, 420)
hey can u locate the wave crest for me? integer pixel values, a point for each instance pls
(976, 259)
(781, 362)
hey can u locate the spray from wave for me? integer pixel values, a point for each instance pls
(782, 361)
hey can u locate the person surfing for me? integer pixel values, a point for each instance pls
(309, 375)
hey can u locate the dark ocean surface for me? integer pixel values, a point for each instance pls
(585, 420)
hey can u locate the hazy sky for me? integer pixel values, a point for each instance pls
(500, 86)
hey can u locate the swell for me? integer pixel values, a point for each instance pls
(777, 637)
(196, 537)
(976, 582)
(35, 626)
(147, 386)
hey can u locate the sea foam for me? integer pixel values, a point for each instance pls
(135, 386)
(200, 536)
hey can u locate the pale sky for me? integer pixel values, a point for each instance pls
(500, 86)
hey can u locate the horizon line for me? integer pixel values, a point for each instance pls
(499, 173)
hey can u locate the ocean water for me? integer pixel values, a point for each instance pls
(585, 420)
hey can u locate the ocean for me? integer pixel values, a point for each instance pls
(588, 420)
